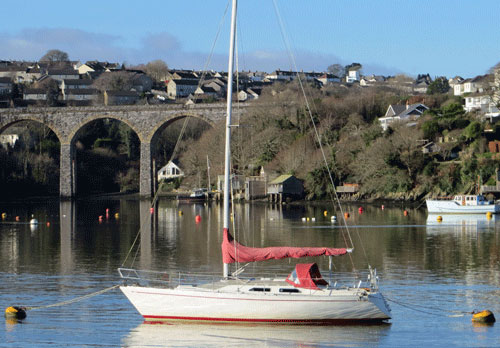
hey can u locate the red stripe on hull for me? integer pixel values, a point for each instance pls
(152, 319)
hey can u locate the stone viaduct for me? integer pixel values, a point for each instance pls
(144, 120)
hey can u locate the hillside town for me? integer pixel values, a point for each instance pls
(448, 119)
(73, 83)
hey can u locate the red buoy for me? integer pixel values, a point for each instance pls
(197, 219)
(405, 213)
(151, 210)
(360, 210)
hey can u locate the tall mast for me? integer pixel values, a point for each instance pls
(227, 162)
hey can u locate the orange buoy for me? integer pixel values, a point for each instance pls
(17, 218)
(48, 224)
(100, 218)
(197, 219)
(405, 213)
(346, 215)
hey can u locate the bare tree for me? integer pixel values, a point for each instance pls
(55, 56)
(115, 81)
(157, 69)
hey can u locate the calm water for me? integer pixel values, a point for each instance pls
(427, 270)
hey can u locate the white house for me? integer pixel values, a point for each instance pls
(402, 113)
(477, 84)
(170, 171)
(353, 74)
(481, 103)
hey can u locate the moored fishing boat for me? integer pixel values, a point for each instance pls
(462, 204)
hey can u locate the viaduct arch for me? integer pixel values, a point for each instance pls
(144, 120)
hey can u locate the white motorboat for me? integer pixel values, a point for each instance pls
(301, 297)
(462, 204)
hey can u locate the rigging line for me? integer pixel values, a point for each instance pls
(202, 78)
(286, 41)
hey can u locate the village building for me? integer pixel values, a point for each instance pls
(401, 113)
(170, 171)
(181, 88)
(285, 187)
(34, 94)
(477, 84)
(5, 85)
(353, 74)
(120, 97)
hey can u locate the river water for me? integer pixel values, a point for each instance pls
(429, 271)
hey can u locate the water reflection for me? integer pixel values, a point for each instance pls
(202, 335)
(466, 223)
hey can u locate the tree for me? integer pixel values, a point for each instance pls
(439, 85)
(337, 70)
(55, 56)
(157, 69)
(51, 87)
(115, 81)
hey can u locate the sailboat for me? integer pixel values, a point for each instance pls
(303, 297)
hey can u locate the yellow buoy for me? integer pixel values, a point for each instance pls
(325, 213)
(15, 312)
(439, 218)
(485, 316)
(4, 216)
(489, 215)
(117, 216)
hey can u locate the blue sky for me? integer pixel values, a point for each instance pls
(439, 37)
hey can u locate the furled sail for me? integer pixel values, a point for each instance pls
(232, 251)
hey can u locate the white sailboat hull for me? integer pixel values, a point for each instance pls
(186, 303)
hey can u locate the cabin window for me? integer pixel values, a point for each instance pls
(261, 289)
(290, 290)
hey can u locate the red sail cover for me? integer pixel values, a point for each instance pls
(306, 275)
(232, 251)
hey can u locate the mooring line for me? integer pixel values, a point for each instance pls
(77, 299)
(460, 313)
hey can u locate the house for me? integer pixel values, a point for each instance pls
(401, 113)
(371, 80)
(482, 103)
(5, 85)
(84, 94)
(120, 97)
(9, 140)
(281, 75)
(170, 171)
(76, 84)
(63, 74)
(285, 187)
(430, 148)
(249, 94)
(477, 84)
(353, 74)
(35, 94)
(422, 83)
(181, 88)
(327, 78)
(94, 68)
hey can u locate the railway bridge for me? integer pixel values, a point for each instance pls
(146, 121)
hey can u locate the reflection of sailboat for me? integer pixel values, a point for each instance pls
(193, 335)
(303, 297)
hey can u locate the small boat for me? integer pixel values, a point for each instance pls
(197, 195)
(462, 204)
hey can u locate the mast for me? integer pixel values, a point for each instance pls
(227, 162)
